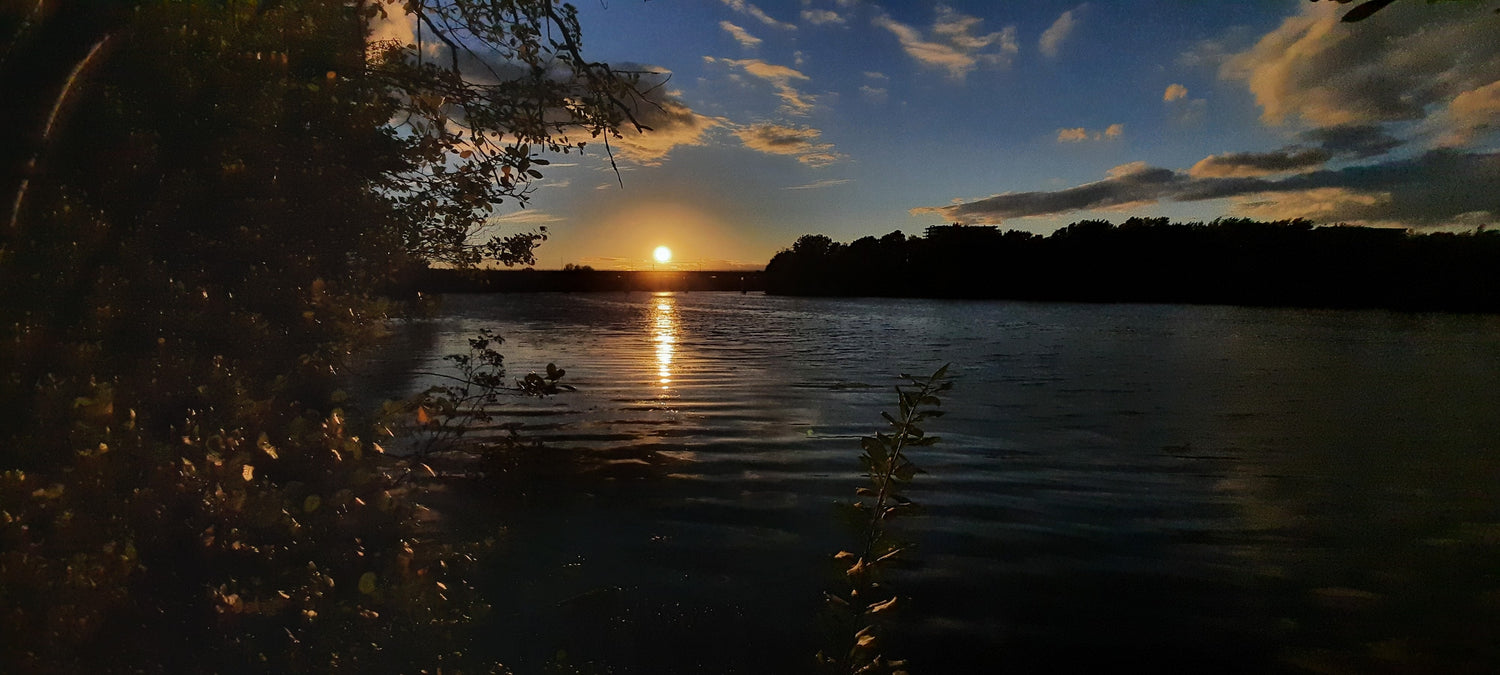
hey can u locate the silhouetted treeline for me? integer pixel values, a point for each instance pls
(1227, 261)
(582, 279)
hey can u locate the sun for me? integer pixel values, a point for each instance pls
(662, 254)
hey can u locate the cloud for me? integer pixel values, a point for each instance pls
(1080, 134)
(1072, 135)
(952, 45)
(1318, 71)
(740, 35)
(874, 94)
(801, 142)
(820, 184)
(1052, 38)
(524, 217)
(780, 78)
(1175, 92)
(751, 10)
(820, 17)
(672, 124)
(1242, 164)
(1471, 114)
(1439, 187)
(1320, 204)
(1352, 140)
(876, 75)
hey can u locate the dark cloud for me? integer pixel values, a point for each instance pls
(1438, 187)
(1127, 184)
(1239, 164)
(1353, 140)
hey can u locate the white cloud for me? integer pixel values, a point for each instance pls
(752, 11)
(874, 94)
(821, 17)
(953, 45)
(1052, 38)
(740, 35)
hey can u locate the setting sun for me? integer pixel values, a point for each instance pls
(662, 254)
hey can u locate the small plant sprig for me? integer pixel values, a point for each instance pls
(446, 411)
(886, 464)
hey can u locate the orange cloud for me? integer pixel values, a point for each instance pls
(1080, 134)
(952, 45)
(801, 142)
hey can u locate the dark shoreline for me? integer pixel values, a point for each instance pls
(585, 281)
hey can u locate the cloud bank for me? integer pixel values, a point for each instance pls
(1396, 191)
(1410, 62)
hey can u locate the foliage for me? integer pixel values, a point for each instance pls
(206, 202)
(860, 610)
(1226, 261)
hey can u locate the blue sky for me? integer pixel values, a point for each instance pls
(854, 117)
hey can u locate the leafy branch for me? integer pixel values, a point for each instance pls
(448, 411)
(888, 469)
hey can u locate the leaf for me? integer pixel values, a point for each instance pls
(367, 583)
(1364, 11)
(248, 472)
(878, 607)
(311, 503)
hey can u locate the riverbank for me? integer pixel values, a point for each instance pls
(585, 281)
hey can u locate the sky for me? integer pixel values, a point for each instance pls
(852, 118)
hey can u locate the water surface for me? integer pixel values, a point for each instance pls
(1212, 488)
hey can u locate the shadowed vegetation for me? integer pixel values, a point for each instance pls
(1227, 261)
(204, 205)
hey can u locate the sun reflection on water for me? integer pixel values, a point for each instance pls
(664, 333)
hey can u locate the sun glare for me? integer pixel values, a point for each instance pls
(662, 254)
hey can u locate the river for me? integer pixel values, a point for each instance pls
(1198, 488)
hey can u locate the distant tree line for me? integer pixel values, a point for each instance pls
(580, 279)
(1226, 261)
